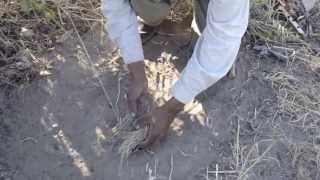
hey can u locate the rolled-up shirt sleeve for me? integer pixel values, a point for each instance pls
(216, 49)
(122, 28)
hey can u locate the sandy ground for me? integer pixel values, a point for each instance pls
(60, 126)
(67, 119)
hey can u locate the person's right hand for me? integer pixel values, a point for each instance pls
(159, 120)
(137, 87)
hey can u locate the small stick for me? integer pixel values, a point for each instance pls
(258, 160)
(237, 144)
(171, 170)
(217, 170)
(29, 139)
(118, 97)
(290, 19)
(182, 152)
(284, 49)
(224, 172)
(279, 55)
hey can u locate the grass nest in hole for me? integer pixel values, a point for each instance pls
(130, 143)
(126, 131)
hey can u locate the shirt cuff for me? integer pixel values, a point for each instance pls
(181, 93)
(130, 55)
(130, 46)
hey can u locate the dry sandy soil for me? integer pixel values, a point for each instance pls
(60, 126)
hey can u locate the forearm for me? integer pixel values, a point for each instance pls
(216, 49)
(122, 29)
(137, 71)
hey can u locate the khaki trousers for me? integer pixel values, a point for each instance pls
(200, 8)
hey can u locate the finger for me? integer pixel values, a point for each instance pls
(141, 108)
(147, 143)
(150, 139)
(143, 120)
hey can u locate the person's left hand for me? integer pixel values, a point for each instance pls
(137, 87)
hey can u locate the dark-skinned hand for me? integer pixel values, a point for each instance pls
(159, 120)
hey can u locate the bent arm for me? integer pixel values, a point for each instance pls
(122, 28)
(216, 49)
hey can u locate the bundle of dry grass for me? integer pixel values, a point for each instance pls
(127, 136)
(130, 143)
(131, 137)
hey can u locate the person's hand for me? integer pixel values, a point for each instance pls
(137, 87)
(159, 121)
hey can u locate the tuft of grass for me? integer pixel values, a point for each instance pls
(299, 98)
(268, 25)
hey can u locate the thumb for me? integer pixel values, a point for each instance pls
(150, 138)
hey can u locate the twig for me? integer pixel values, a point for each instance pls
(183, 153)
(109, 101)
(242, 173)
(217, 170)
(224, 172)
(29, 139)
(280, 56)
(118, 97)
(283, 49)
(290, 19)
(237, 144)
(171, 170)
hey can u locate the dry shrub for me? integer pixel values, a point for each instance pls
(298, 95)
(29, 28)
(268, 25)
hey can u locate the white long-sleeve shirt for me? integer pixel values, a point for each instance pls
(214, 53)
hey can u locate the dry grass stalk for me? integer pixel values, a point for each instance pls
(124, 124)
(250, 160)
(297, 97)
